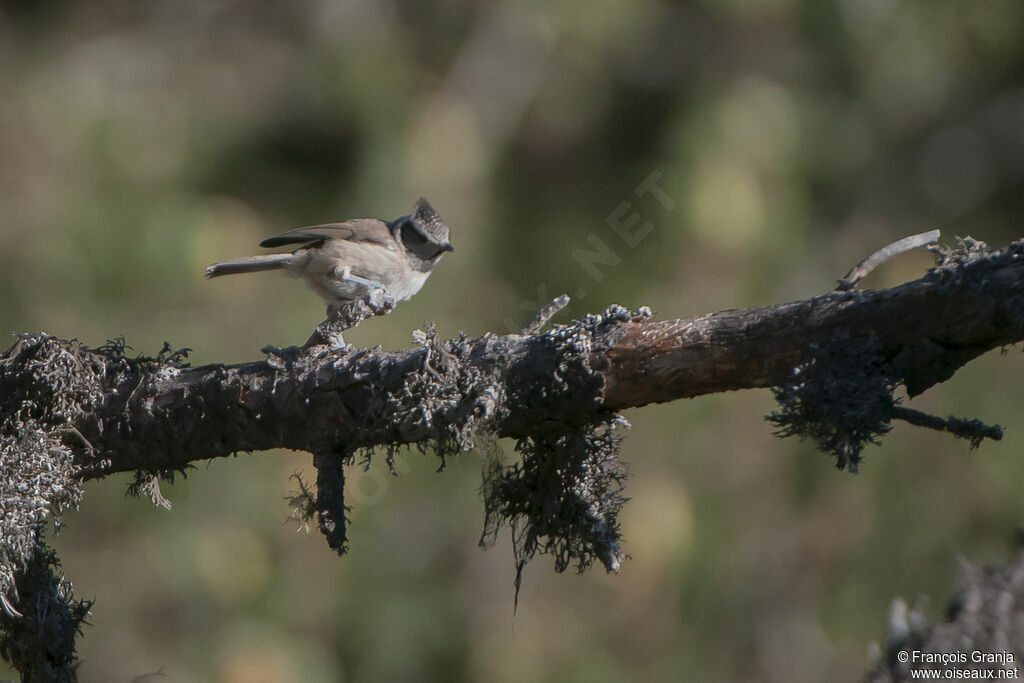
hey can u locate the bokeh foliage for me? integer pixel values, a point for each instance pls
(141, 141)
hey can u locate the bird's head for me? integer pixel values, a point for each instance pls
(423, 232)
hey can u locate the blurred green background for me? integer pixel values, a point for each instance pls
(140, 142)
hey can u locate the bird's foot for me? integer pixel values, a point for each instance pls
(344, 316)
(379, 301)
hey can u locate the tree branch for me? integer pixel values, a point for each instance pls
(69, 413)
(311, 400)
(928, 328)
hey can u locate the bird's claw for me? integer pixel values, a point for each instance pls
(379, 301)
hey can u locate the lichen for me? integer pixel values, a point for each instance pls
(563, 497)
(445, 406)
(841, 397)
(40, 643)
(46, 386)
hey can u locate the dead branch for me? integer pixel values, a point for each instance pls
(311, 400)
(834, 361)
(928, 328)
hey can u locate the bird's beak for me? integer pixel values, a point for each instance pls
(447, 246)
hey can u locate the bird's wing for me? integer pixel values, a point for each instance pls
(355, 230)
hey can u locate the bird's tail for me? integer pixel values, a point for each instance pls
(249, 264)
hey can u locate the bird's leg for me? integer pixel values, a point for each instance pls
(346, 275)
(341, 317)
(378, 299)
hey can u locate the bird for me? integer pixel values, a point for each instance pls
(346, 261)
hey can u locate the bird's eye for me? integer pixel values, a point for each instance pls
(412, 235)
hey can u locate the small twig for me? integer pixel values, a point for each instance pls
(861, 270)
(545, 314)
(302, 503)
(330, 498)
(85, 442)
(9, 608)
(426, 364)
(975, 430)
(152, 489)
(347, 316)
(428, 340)
(142, 678)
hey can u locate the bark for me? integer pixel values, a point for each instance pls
(69, 413)
(929, 328)
(168, 417)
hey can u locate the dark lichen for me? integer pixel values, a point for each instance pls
(842, 393)
(332, 513)
(40, 642)
(841, 397)
(564, 495)
(561, 499)
(46, 386)
(443, 405)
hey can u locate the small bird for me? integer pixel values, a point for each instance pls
(346, 261)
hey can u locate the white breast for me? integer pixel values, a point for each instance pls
(386, 265)
(408, 284)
